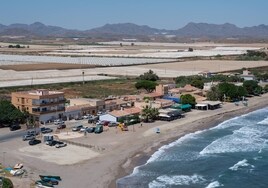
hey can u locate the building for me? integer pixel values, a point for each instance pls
(88, 106)
(43, 105)
(116, 115)
(247, 75)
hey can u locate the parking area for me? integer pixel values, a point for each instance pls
(62, 156)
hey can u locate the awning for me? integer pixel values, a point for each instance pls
(164, 115)
(201, 105)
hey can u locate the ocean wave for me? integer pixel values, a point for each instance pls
(263, 122)
(243, 163)
(162, 149)
(233, 122)
(245, 139)
(165, 180)
(214, 184)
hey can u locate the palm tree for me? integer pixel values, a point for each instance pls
(149, 113)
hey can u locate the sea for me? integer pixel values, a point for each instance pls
(232, 154)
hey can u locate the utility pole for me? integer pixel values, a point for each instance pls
(83, 75)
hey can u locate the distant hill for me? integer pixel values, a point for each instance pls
(226, 30)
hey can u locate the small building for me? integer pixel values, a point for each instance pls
(116, 115)
(247, 75)
(169, 114)
(88, 106)
(208, 105)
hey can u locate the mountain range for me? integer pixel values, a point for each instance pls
(226, 30)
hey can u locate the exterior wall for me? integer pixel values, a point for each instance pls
(108, 117)
(162, 89)
(98, 104)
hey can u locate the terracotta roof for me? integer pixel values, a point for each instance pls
(125, 112)
(77, 107)
(153, 95)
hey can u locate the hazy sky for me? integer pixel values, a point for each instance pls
(168, 14)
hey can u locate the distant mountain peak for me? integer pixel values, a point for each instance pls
(192, 29)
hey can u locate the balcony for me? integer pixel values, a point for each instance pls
(38, 111)
(45, 103)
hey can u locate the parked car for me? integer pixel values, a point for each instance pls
(112, 124)
(33, 132)
(83, 129)
(61, 126)
(34, 142)
(90, 129)
(77, 128)
(28, 137)
(93, 119)
(60, 144)
(58, 121)
(52, 142)
(45, 130)
(15, 127)
(98, 129)
(78, 118)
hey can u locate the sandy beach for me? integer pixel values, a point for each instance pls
(172, 131)
(113, 154)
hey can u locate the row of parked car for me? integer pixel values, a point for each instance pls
(81, 128)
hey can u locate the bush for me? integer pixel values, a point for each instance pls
(7, 183)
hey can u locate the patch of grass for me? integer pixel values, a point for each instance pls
(91, 89)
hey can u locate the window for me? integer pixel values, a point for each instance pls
(18, 100)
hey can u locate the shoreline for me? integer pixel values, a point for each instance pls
(141, 157)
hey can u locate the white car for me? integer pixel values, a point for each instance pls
(60, 144)
(83, 129)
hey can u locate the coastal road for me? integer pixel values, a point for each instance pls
(7, 136)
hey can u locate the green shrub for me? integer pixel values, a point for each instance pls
(7, 183)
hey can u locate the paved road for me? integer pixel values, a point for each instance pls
(12, 135)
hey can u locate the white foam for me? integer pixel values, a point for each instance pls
(214, 184)
(239, 164)
(162, 149)
(263, 122)
(245, 139)
(176, 180)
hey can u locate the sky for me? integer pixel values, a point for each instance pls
(161, 14)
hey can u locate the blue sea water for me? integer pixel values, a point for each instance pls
(232, 154)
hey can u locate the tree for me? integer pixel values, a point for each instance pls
(190, 49)
(188, 99)
(9, 113)
(149, 86)
(198, 83)
(251, 86)
(265, 89)
(150, 75)
(213, 94)
(7, 183)
(149, 113)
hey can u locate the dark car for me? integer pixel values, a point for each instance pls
(90, 129)
(15, 127)
(112, 124)
(52, 142)
(77, 128)
(34, 142)
(98, 129)
(45, 130)
(61, 126)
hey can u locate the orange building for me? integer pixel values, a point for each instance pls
(42, 104)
